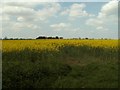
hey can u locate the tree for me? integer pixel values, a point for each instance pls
(57, 37)
(5, 38)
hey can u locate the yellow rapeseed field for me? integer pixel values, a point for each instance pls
(60, 63)
(10, 45)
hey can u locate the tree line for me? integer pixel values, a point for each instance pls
(40, 37)
(56, 37)
(44, 37)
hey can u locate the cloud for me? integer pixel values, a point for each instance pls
(103, 29)
(28, 12)
(22, 16)
(19, 26)
(18, 11)
(12, 12)
(99, 28)
(59, 26)
(106, 16)
(20, 19)
(22, 4)
(94, 22)
(76, 10)
(65, 12)
(31, 19)
(0, 13)
(109, 9)
(50, 9)
(32, 1)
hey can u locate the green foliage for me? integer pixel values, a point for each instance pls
(71, 67)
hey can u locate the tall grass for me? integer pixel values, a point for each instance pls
(70, 66)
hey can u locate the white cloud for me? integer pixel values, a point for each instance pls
(99, 28)
(94, 22)
(32, 1)
(106, 16)
(65, 12)
(0, 13)
(24, 4)
(21, 16)
(57, 0)
(28, 12)
(19, 26)
(109, 9)
(29, 17)
(59, 26)
(50, 9)
(5, 18)
(21, 19)
(76, 10)
(17, 11)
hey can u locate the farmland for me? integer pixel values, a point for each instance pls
(60, 63)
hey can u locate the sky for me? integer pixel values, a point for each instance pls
(65, 19)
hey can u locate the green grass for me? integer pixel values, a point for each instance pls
(71, 67)
(0, 76)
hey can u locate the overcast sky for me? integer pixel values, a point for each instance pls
(67, 19)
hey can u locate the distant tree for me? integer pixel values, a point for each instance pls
(86, 38)
(57, 37)
(49, 38)
(79, 38)
(16, 38)
(61, 37)
(52, 37)
(41, 37)
(11, 38)
(5, 38)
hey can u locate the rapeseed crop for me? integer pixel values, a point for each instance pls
(9, 45)
(60, 63)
